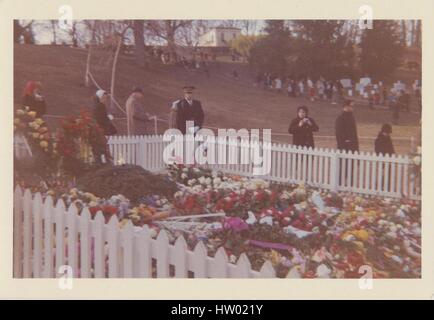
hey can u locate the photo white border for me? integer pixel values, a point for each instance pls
(213, 288)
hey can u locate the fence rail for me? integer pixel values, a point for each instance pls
(364, 172)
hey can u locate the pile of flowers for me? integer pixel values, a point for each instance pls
(35, 130)
(69, 150)
(305, 232)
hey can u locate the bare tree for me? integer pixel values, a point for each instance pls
(74, 35)
(92, 26)
(404, 32)
(412, 32)
(167, 30)
(139, 41)
(418, 33)
(249, 26)
(189, 35)
(53, 28)
(23, 31)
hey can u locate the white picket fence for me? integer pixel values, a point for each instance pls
(48, 237)
(365, 173)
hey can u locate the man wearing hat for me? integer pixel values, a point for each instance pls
(137, 117)
(187, 109)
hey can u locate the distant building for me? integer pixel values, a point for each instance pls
(219, 37)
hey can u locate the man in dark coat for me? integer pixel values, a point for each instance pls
(187, 109)
(346, 129)
(302, 128)
(347, 140)
(383, 143)
(102, 118)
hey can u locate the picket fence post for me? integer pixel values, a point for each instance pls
(99, 246)
(28, 233)
(48, 216)
(18, 233)
(85, 243)
(334, 171)
(220, 264)
(180, 257)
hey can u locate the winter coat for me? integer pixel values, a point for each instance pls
(182, 111)
(303, 136)
(39, 106)
(136, 116)
(384, 144)
(101, 117)
(346, 132)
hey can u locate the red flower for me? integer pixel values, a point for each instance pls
(94, 210)
(190, 203)
(110, 210)
(309, 274)
(355, 259)
(260, 196)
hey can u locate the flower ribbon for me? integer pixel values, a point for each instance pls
(269, 245)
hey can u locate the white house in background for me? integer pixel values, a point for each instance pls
(219, 37)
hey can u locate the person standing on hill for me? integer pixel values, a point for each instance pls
(187, 109)
(278, 85)
(404, 101)
(102, 118)
(346, 129)
(383, 142)
(137, 117)
(302, 128)
(33, 98)
(290, 89)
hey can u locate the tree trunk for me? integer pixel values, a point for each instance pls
(53, 27)
(404, 32)
(412, 37)
(18, 31)
(139, 42)
(112, 83)
(86, 77)
(89, 53)
(418, 35)
(170, 35)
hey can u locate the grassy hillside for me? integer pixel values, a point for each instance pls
(227, 102)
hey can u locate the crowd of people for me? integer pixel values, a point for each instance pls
(376, 94)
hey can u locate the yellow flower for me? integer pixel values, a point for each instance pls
(123, 222)
(362, 235)
(35, 135)
(39, 121)
(32, 114)
(20, 112)
(44, 144)
(275, 257)
(34, 125)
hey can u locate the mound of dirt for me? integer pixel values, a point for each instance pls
(132, 181)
